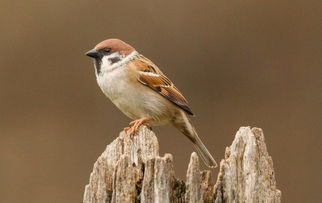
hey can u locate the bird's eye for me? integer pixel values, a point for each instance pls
(107, 50)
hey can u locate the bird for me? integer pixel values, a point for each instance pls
(142, 92)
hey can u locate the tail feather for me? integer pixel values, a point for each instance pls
(203, 152)
(183, 124)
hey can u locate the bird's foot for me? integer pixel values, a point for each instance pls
(135, 125)
(127, 129)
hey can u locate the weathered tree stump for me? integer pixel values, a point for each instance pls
(131, 170)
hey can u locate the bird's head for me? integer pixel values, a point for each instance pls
(109, 52)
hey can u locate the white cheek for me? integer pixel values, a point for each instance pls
(108, 66)
(106, 62)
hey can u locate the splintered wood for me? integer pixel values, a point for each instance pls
(131, 170)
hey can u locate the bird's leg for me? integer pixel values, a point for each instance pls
(134, 125)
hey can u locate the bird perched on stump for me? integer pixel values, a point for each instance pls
(142, 92)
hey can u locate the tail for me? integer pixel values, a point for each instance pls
(183, 124)
(202, 151)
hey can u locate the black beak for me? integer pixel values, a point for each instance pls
(92, 53)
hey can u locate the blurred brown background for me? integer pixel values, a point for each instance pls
(255, 63)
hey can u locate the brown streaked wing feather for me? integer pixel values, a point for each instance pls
(152, 77)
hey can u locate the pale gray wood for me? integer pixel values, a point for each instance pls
(126, 175)
(163, 177)
(247, 174)
(194, 192)
(137, 149)
(131, 170)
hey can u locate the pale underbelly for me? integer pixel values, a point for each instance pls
(138, 101)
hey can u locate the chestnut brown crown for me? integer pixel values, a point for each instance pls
(115, 45)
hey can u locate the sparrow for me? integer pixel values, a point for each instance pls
(142, 92)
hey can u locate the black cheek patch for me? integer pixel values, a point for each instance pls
(114, 60)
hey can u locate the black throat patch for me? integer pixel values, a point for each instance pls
(98, 63)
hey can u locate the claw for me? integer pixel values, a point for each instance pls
(135, 125)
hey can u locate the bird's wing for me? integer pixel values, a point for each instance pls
(150, 75)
